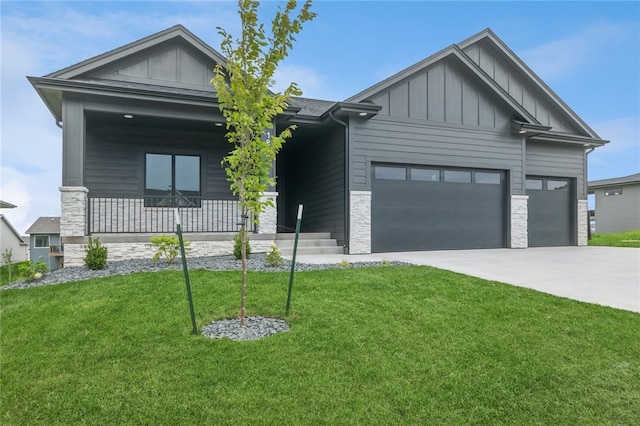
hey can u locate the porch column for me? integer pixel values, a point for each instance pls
(269, 218)
(360, 222)
(519, 219)
(73, 222)
(583, 222)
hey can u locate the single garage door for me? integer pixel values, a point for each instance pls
(436, 208)
(550, 211)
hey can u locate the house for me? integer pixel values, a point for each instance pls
(465, 149)
(11, 240)
(45, 242)
(617, 203)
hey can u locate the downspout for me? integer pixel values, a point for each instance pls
(347, 218)
(586, 165)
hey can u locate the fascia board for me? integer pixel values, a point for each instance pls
(127, 50)
(568, 139)
(532, 76)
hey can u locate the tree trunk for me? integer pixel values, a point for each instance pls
(244, 236)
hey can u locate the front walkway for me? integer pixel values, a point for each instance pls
(607, 276)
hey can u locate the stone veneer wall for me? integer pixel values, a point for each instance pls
(519, 219)
(360, 222)
(269, 218)
(75, 253)
(583, 223)
(73, 221)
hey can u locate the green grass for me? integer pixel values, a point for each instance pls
(623, 239)
(10, 273)
(374, 346)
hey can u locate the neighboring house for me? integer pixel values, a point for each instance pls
(465, 149)
(45, 243)
(10, 239)
(617, 203)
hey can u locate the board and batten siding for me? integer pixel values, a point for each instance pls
(554, 160)
(618, 213)
(115, 158)
(525, 94)
(443, 92)
(395, 140)
(312, 173)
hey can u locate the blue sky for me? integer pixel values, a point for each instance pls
(587, 52)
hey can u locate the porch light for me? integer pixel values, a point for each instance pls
(363, 114)
(128, 116)
(217, 124)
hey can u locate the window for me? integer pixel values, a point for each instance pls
(535, 184)
(488, 178)
(457, 176)
(613, 191)
(41, 241)
(390, 173)
(172, 180)
(557, 185)
(425, 175)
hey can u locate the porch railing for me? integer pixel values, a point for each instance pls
(156, 214)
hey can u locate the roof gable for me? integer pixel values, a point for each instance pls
(128, 50)
(509, 72)
(45, 225)
(12, 229)
(445, 87)
(495, 73)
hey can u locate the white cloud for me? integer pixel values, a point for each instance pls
(561, 58)
(621, 156)
(309, 80)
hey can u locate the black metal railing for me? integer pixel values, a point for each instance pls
(116, 214)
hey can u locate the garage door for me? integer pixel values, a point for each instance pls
(550, 211)
(435, 208)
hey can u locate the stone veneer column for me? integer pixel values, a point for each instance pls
(269, 218)
(360, 222)
(583, 223)
(519, 219)
(73, 222)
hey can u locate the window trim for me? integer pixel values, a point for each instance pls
(190, 200)
(38, 237)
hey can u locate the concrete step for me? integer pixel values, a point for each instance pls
(303, 236)
(309, 243)
(309, 251)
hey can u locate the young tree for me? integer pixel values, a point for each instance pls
(250, 108)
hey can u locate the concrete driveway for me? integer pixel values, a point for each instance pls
(607, 276)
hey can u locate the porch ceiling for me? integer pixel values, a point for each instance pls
(152, 122)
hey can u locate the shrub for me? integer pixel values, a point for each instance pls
(237, 246)
(167, 247)
(274, 256)
(344, 263)
(96, 257)
(32, 271)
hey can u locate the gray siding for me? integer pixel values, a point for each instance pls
(386, 139)
(41, 254)
(168, 65)
(445, 93)
(115, 158)
(618, 213)
(546, 159)
(512, 81)
(311, 169)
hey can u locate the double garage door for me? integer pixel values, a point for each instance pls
(437, 208)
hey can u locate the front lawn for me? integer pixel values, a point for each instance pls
(623, 239)
(385, 345)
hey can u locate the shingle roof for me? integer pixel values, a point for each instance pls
(635, 178)
(45, 225)
(312, 107)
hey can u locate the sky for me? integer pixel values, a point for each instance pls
(587, 52)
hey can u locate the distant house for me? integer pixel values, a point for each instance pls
(45, 243)
(466, 149)
(617, 203)
(10, 239)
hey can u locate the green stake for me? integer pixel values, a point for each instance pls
(186, 272)
(293, 258)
